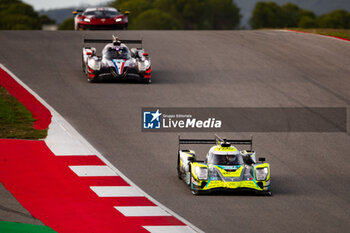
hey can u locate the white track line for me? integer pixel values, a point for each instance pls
(116, 191)
(168, 229)
(63, 139)
(138, 211)
(93, 170)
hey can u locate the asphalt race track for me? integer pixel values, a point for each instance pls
(310, 171)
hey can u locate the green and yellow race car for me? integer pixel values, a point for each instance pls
(225, 167)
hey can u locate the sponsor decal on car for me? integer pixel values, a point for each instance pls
(119, 65)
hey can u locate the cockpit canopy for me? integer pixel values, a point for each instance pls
(224, 156)
(228, 159)
(101, 12)
(116, 53)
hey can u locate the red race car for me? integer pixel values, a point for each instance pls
(106, 18)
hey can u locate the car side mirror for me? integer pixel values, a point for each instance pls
(262, 159)
(191, 159)
(77, 12)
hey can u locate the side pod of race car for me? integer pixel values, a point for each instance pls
(225, 168)
(117, 61)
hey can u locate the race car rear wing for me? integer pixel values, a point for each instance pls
(105, 41)
(218, 141)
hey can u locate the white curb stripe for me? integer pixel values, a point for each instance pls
(133, 211)
(169, 229)
(62, 141)
(116, 191)
(93, 171)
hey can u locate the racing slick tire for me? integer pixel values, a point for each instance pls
(147, 80)
(267, 193)
(79, 28)
(178, 168)
(90, 80)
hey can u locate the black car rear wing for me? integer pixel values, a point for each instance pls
(217, 141)
(105, 41)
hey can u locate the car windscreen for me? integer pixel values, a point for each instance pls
(222, 159)
(119, 53)
(101, 14)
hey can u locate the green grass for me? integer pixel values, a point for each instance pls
(15, 120)
(13, 227)
(343, 33)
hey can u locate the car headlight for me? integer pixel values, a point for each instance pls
(93, 64)
(201, 173)
(118, 20)
(261, 173)
(87, 20)
(132, 64)
(143, 66)
(147, 64)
